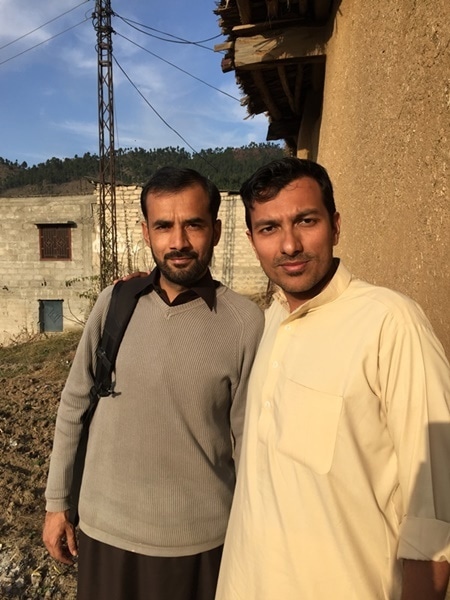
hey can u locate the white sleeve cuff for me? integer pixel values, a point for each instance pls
(424, 539)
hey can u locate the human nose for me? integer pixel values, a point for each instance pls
(291, 242)
(179, 239)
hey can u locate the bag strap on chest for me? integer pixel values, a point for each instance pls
(125, 295)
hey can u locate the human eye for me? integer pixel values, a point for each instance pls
(266, 229)
(195, 225)
(161, 226)
(307, 221)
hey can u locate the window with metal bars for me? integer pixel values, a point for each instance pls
(55, 242)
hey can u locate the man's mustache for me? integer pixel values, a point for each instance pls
(179, 254)
(283, 260)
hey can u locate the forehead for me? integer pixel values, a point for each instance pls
(301, 195)
(190, 203)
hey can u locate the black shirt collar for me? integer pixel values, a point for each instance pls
(204, 288)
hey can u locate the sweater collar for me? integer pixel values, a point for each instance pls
(204, 288)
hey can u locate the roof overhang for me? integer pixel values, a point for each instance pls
(277, 50)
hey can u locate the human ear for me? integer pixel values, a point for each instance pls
(336, 228)
(217, 231)
(248, 233)
(145, 233)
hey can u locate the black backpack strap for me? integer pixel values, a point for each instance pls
(125, 295)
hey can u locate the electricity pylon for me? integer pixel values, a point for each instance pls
(107, 171)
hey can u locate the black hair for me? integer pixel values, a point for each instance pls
(270, 179)
(175, 179)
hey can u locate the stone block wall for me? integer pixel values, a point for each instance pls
(133, 254)
(234, 262)
(25, 279)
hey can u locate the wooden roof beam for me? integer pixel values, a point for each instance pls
(245, 10)
(307, 140)
(283, 129)
(286, 89)
(225, 46)
(272, 8)
(266, 96)
(255, 28)
(322, 9)
(273, 46)
(298, 84)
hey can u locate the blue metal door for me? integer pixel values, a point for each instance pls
(51, 315)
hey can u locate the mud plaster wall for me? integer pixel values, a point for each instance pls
(384, 139)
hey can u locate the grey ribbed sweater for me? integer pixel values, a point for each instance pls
(159, 473)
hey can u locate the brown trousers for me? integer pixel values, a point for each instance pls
(108, 573)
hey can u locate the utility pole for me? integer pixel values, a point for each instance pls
(107, 170)
(229, 231)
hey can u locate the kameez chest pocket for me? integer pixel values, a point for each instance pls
(308, 426)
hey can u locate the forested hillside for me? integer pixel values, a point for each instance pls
(227, 167)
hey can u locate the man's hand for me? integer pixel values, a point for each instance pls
(425, 580)
(59, 537)
(132, 276)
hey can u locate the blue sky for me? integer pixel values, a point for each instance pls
(48, 100)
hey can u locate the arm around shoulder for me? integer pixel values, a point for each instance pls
(425, 579)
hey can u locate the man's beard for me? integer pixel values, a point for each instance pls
(186, 276)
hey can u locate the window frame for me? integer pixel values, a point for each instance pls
(45, 228)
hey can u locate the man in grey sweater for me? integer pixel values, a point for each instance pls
(160, 466)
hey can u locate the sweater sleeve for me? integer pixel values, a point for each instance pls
(415, 377)
(253, 325)
(73, 403)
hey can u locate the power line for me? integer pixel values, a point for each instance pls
(43, 25)
(175, 39)
(44, 41)
(159, 116)
(179, 68)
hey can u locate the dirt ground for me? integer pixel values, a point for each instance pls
(31, 378)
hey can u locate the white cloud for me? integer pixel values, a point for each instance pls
(79, 59)
(79, 128)
(25, 21)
